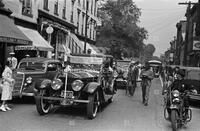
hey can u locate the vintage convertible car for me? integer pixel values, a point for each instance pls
(80, 84)
(32, 70)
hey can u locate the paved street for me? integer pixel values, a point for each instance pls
(124, 114)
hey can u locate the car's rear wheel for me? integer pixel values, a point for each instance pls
(42, 105)
(92, 106)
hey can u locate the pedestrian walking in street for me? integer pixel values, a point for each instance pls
(132, 77)
(146, 75)
(12, 60)
(7, 87)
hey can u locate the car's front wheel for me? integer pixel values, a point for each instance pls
(92, 106)
(42, 105)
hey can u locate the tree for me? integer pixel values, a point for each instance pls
(148, 52)
(120, 20)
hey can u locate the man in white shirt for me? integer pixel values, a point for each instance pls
(12, 60)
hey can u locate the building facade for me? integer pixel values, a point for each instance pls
(25, 14)
(66, 25)
(186, 50)
(180, 42)
(192, 45)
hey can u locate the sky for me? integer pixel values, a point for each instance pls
(159, 18)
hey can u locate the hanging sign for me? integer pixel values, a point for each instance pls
(196, 45)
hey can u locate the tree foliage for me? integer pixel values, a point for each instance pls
(120, 20)
(148, 52)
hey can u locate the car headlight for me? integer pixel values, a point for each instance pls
(44, 83)
(175, 93)
(29, 80)
(77, 85)
(56, 84)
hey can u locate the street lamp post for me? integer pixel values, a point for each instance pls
(86, 25)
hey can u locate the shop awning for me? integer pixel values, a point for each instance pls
(39, 43)
(88, 46)
(9, 33)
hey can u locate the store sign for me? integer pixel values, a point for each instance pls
(171, 56)
(196, 45)
(13, 40)
(26, 48)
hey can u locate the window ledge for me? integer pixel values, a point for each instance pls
(46, 9)
(26, 14)
(56, 14)
(64, 17)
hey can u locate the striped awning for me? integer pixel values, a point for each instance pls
(9, 33)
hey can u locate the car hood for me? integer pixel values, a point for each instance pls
(29, 71)
(34, 75)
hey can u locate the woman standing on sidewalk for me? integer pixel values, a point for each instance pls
(8, 83)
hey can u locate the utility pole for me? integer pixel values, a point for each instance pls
(86, 26)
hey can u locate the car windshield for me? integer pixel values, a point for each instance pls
(32, 66)
(86, 63)
(85, 66)
(193, 75)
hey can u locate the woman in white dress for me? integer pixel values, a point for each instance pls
(8, 83)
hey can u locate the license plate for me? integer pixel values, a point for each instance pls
(69, 94)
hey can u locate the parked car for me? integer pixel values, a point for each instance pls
(122, 70)
(156, 65)
(192, 78)
(32, 70)
(80, 84)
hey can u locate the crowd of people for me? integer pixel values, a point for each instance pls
(169, 77)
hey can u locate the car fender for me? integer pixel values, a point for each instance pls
(91, 87)
(40, 81)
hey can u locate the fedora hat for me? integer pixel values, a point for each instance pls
(11, 53)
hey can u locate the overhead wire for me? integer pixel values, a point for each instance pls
(165, 25)
(168, 10)
(162, 21)
(161, 16)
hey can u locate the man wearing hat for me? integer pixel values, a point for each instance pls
(132, 77)
(181, 86)
(12, 60)
(146, 75)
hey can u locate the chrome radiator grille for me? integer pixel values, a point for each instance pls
(19, 81)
